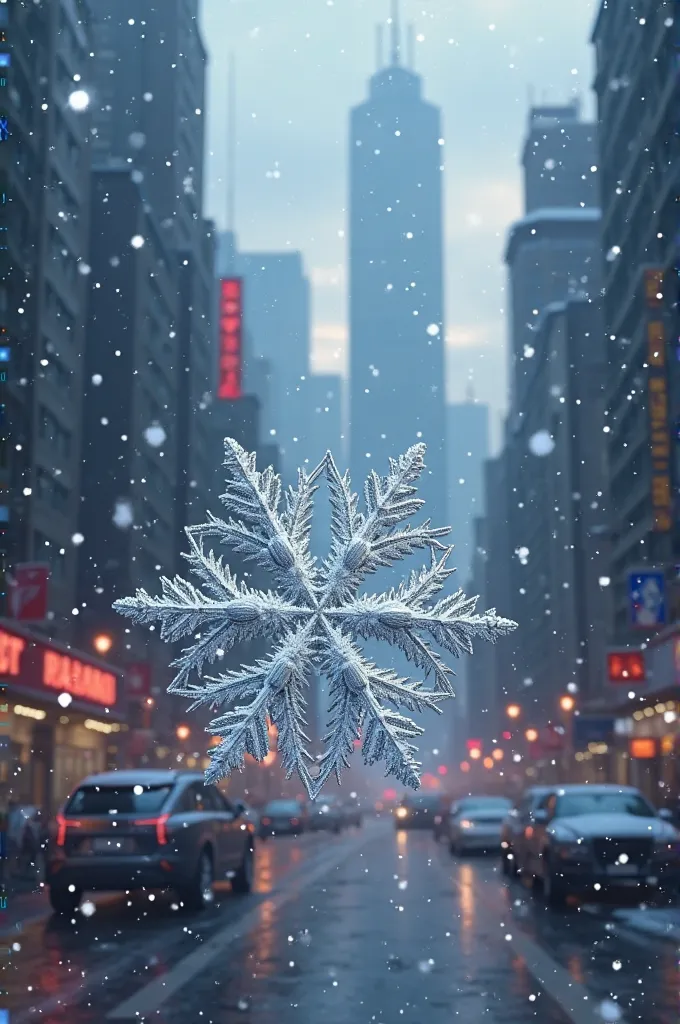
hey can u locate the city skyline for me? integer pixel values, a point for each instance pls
(295, 198)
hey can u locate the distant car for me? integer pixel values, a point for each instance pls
(283, 817)
(327, 814)
(514, 825)
(474, 823)
(353, 812)
(604, 835)
(147, 830)
(417, 810)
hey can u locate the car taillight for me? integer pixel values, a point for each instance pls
(295, 821)
(161, 827)
(62, 825)
(266, 821)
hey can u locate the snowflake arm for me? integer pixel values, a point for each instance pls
(362, 544)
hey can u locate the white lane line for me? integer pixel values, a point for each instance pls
(571, 996)
(150, 998)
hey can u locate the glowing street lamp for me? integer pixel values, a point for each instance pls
(102, 643)
(183, 732)
(531, 735)
(513, 711)
(497, 754)
(465, 766)
(488, 762)
(475, 753)
(567, 703)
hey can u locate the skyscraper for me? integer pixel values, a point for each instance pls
(467, 448)
(396, 303)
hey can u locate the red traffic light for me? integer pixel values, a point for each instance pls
(626, 667)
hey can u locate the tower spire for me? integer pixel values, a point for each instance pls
(395, 34)
(231, 145)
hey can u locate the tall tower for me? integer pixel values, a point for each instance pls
(397, 389)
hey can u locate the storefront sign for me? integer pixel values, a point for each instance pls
(230, 331)
(626, 667)
(31, 664)
(657, 403)
(647, 599)
(643, 747)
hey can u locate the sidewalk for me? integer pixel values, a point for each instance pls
(23, 908)
(661, 922)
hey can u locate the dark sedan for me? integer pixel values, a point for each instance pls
(148, 830)
(283, 817)
(585, 838)
(516, 821)
(417, 810)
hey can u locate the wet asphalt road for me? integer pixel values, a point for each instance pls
(370, 927)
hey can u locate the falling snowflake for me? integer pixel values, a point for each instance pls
(315, 618)
(541, 443)
(123, 514)
(155, 435)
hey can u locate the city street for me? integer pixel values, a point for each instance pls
(369, 927)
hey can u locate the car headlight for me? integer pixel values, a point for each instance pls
(465, 823)
(571, 850)
(402, 812)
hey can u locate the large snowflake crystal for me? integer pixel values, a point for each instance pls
(314, 619)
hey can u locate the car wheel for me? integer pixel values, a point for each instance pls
(199, 892)
(554, 889)
(243, 879)
(454, 849)
(63, 900)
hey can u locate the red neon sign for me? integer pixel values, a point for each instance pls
(33, 665)
(626, 667)
(231, 354)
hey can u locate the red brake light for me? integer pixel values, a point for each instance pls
(295, 821)
(62, 825)
(161, 827)
(266, 821)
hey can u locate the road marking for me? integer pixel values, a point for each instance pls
(149, 999)
(572, 997)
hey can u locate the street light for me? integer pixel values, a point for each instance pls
(475, 753)
(513, 711)
(183, 732)
(488, 762)
(102, 643)
(497, 754)
(531, 735)
(567, 703)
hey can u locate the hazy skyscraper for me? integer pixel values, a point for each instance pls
(397, 393)
(467, 448)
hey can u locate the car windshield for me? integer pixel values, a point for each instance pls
(94, 800)
(571, 804)
(425, 801)
(490, 804)
(283, 807)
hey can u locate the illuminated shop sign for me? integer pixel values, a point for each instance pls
(231, 349)
(657, 401)
(34, 665)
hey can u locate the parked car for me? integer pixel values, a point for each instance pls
(283, 817)
(514, 825)
(327, 814)
(148, 829)
(604, 835)
(417, 810)
(353, 812)
(475, 823)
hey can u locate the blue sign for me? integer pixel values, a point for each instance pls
(592, 730)
(647, 599)
(4, 60)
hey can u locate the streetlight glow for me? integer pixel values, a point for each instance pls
(103, 643)
(513, 711)
(567, 703)
(183, 732)
(531, 735)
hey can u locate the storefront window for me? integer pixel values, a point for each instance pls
(78, 752)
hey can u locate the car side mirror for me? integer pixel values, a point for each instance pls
(541, 817)
(239, 808)
(665, 814)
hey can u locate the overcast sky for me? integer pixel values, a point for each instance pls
(301, 64)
